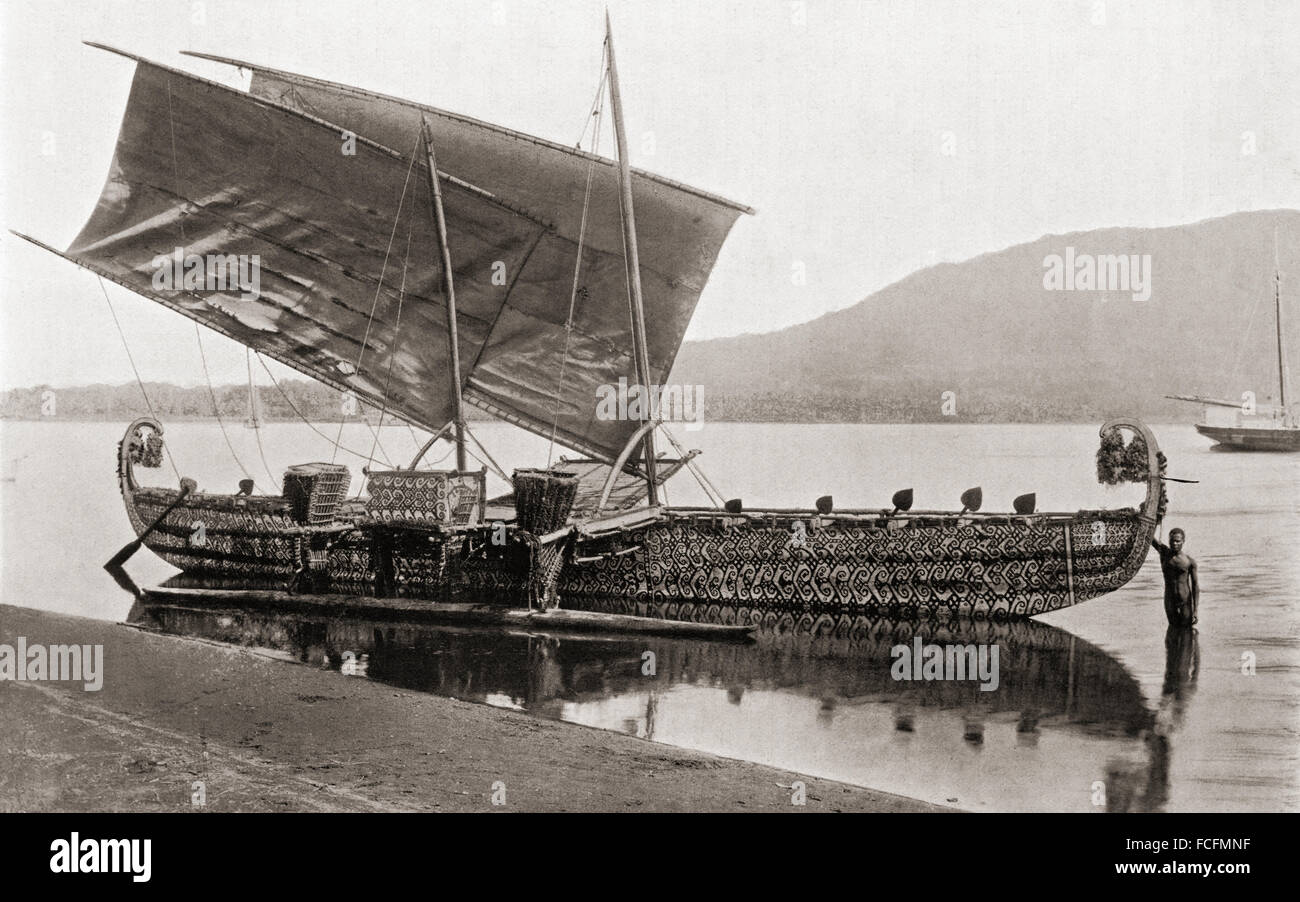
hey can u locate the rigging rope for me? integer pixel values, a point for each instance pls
(252, 413)
(490, 462)
(198, 336)
(138, 381)
(598, 107)
(180, 222)
(718, 499)
(392, 351)
(379, 286)
(600, 88)
(294, 407)
(450, 448)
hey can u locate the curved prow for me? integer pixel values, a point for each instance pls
(1151, 506)
(132, 449)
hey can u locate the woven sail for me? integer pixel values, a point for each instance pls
(213, 170)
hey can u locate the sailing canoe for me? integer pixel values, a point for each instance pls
(539, 319)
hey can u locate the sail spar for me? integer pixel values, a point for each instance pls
(216, 171)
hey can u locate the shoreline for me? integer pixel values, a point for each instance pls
(274, 421)
(264, 733)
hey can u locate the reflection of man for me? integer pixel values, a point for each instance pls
(1182, 592)
(1182, 665)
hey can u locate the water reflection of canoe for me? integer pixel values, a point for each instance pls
(484, 614)
(1044, 673)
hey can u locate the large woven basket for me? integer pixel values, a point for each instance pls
(315, 490)
(426, 497)
(544, 499)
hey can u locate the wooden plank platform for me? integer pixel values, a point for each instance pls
(451, 612)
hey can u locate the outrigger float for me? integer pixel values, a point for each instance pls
(508, 273)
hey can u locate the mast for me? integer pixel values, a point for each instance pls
(1281, 354)
(254, 415)
(633, 262)
(435, 185)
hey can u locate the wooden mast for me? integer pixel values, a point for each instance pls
(435, 185)
(254, 414)
(1281, 354)
(633, 263)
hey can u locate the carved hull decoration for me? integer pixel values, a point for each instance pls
(674, 563)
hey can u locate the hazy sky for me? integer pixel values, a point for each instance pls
(874, 138)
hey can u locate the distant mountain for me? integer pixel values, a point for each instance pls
(1011, 349)
(987, 330)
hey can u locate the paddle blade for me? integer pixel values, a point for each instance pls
(734, 506)
(902, 500)
(825, 504)
(117, 560)
(1025, 504)
(971, 499)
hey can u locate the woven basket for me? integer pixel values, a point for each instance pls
(426, 497)
(544, 499)
(314, 491)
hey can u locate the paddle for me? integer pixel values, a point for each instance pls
(117, 560)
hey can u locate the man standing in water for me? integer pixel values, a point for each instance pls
(1182, 591)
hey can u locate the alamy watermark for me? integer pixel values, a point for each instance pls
(671, 403)
(103, 856)
(1103, 272)
(180, 271)
(919, 661)
(22, 663)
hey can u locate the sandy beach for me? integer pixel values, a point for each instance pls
(263, 733)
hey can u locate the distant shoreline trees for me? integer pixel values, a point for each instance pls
(318, 403)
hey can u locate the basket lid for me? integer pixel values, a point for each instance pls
(314, 469)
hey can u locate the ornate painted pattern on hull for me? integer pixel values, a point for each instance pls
(686, 564)
(980, 569)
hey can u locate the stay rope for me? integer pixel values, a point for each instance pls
(252, 413)
(298, 413)
(379, 286)
(198, 336)
(718, 499)
(490, 463)
(138, 381)
(392, 352)
(180, 223)
(594, 122)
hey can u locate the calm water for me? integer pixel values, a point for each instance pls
(1096, 693)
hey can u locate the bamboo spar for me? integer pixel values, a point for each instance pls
(436, 189)
(633, 262)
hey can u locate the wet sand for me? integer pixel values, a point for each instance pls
(262, 733)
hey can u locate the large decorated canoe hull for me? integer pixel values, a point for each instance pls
(1008, 569)
(676, 563)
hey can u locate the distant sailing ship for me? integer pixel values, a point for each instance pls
(1268, 427)
(516, 280)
